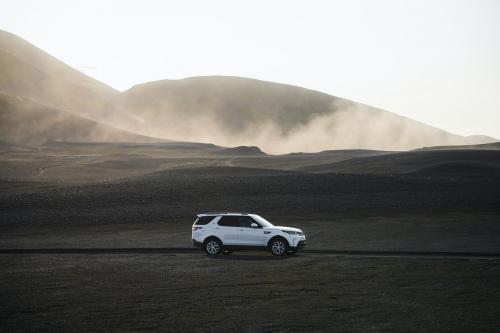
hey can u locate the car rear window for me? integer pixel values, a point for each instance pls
(202, 220)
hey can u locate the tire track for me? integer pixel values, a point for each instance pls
(187, 250)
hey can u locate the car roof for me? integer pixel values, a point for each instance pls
(223, 213)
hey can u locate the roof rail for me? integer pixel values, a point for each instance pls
(212, 213)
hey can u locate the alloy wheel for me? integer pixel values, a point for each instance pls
(213, 247)
(278, 247)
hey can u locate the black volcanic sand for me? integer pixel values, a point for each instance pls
(247, 293)
(338, 211)
(182, 193)
(83, 163)
(119, 197)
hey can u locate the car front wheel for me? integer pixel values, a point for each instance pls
(278, 246)
(213, 247)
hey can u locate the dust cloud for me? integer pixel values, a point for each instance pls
(344, 126)
(278, 118)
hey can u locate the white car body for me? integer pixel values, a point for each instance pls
(244, 231)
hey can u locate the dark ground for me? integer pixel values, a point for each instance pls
(69, 200)
(248, 293)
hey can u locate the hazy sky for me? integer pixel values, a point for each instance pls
(434, 61)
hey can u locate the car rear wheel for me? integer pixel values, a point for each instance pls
(278, 246)
(213, 247)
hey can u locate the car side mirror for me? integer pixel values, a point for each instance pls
(254, 225)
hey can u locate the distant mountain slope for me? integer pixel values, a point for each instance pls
(27, 71)
(24, 122)
(484, 146)
(42, 99)
(278, 118)
(418, 162)
(226, 111)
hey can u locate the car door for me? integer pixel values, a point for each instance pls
(228, 229)
(250, 236)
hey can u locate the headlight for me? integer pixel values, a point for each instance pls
(290, 232)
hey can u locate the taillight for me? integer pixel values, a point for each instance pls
(197, 228)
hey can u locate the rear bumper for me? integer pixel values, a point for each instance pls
(197, 244)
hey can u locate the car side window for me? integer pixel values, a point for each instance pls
(246, 221)
(229, 221)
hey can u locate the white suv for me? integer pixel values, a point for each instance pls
(224, 232)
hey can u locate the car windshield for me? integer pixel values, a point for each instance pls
(262, 221)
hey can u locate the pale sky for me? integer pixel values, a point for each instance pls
(434, 61)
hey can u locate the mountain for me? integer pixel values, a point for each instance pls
(27, 71)
(42, 99)
(278, 118)
(25, 122)
(226, 111)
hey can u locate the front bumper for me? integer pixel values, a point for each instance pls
(301, 244)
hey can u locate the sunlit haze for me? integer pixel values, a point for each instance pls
(433, 61)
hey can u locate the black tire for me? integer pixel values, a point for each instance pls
(278, 246)
(212, 247)
(227, 252)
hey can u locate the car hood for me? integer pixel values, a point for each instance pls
(284, 228)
